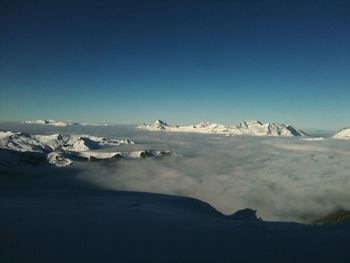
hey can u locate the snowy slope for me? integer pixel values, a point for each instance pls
(112, 226)
(58, 160)
(343, 134)
(253, 128)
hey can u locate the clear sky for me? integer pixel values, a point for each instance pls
(181, 61)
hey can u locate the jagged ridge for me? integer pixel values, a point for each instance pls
(253, 128)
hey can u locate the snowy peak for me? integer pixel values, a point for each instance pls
(273, 129)
(204, 125)
(343, 134)
(160, 124)
(157, 125)
(251, 127)
(251, 124)
(294, 131)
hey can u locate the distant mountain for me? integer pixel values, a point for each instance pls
(338, 217)
(252, 128)
(61, 123)
(343, 134)
(60, 149)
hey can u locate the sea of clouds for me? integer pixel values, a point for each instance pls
(285, 179)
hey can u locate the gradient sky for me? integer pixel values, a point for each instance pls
(181, 61)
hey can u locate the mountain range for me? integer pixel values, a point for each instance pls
(62, 149)
(252, 128)
(50, 122)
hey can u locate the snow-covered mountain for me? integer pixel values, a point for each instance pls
(61, 123)
(343, 134)
(24, 142)
(59, 149)
(51, 122)
(90, 155)
(253, 128)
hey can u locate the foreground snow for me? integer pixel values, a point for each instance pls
(58, 149)
(61, 123)
(253, 128)
(110, 226)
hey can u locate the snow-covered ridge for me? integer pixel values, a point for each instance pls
(61, 123)
(253, 128)
(343, 134)
(133, 154)
(59, 149)
(24, 142)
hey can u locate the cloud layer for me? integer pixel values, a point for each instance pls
(285, 179)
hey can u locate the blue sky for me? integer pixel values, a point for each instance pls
(181, 61)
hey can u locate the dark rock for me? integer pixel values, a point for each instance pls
(246, 214)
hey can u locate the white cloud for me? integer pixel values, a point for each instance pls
(285, 179)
